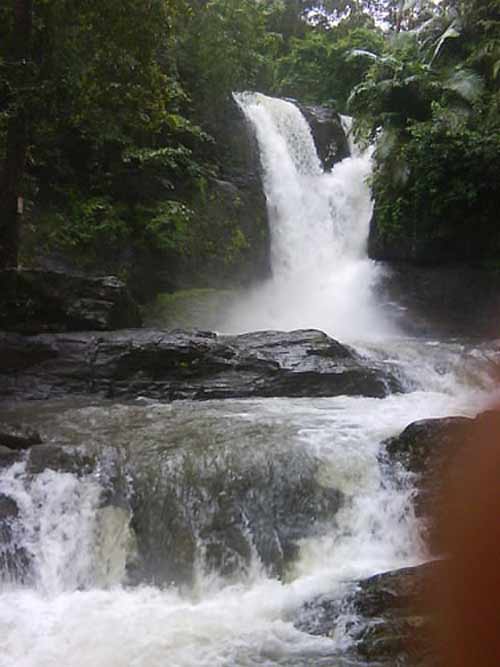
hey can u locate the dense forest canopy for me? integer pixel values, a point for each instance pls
(108, 109)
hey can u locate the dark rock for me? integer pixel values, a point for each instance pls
(232, 234)
(60, 459)
(181, 364)
(400, 622)
(328, 133)
(407, 249)
(429, 449)
(215, 505)
(14, 561)
(231, 212)
(8, 507)
(394, 620)
(8, 456)
(441, 300)
(16, 437)
(428, 443)
(36, 301)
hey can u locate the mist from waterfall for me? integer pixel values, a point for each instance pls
(319, 223)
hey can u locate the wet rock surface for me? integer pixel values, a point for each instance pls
(8, 507)
(441, 301)
(16, 436)
(328, 133)
(398, 617)
(214, 509)
(417, 446)
(37, 301)
(13, 560)
(60, 459)
(182, 364)
(429, 449)
(209, 489)
(8, 456)
(394, 617)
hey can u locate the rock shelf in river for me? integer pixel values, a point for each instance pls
(186, 365)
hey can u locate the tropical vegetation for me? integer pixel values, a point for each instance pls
(109, 109)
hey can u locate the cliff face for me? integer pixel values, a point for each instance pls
(231, 213)
(328, 133)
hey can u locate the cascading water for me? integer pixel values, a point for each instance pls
(235, 512)
(322, 277)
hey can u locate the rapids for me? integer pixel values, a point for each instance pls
(79, 595)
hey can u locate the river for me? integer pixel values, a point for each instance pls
(164, 553)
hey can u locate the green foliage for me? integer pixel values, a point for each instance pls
(83, 222)
(120, 97)
(431, 100)
(168, 226)
(109, 134)
(318, 67)
(451, 189)
(189, 308)
(226, 46)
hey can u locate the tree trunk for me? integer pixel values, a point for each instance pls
(17, 139)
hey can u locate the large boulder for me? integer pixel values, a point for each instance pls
(37, 301)
(231, 243)
(8, 456)
(428, 450)
(16, 436)
(181, 364)
(216, 506)
(328, 134)
(428, 444)
(391, 617)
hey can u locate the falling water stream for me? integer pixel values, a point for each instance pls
(121, 566)
(321, 275)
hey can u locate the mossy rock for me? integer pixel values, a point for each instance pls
(194, 308)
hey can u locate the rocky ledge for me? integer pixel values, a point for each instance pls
(185, 365)
(395, 619)
(428, 450)
(328, 134)
(34, 301)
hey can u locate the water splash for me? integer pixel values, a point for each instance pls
(62, 538)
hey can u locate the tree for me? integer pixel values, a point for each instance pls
(432, 102)
(319, 68)
(110, 138)
(17, 62)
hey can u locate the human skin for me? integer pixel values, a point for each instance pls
(467, 595)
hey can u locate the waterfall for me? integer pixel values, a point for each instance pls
(319, 223)
(205, 530)
(61, 538)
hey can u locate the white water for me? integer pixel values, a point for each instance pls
(77, 609)
(321, 275)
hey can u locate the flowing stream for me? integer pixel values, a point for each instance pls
(199, 530)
